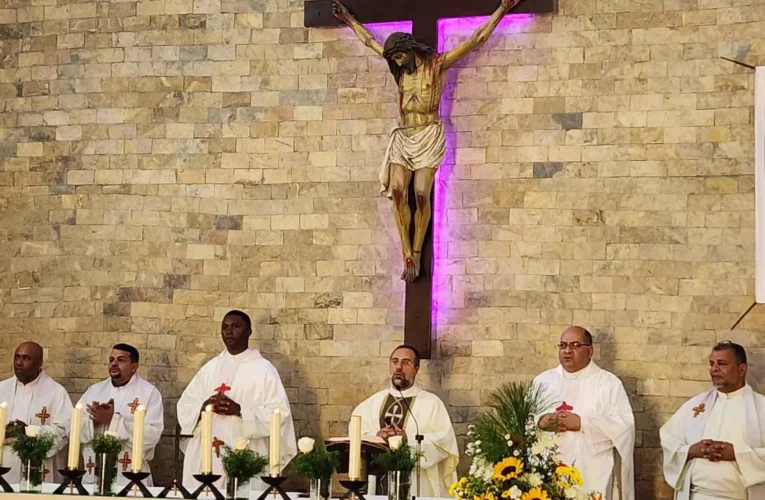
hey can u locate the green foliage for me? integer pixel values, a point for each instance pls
(242, 464)
(34, 449)
(403, 459)
(318, 464)
(108, 444)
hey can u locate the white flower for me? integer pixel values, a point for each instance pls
(305, 444)
(507, 436)
(32, 431)
(515, 493)
(111, 434)
(395, 442)
(534, 479)
(241, 444)
(516, 453)
(570, 492)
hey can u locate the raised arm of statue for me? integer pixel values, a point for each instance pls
(480, 36)
(366, 36)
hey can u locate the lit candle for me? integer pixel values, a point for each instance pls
(73, 463)
(275, 444)
(354, 462)
(139, 417)
(207, 438)
(3, 423)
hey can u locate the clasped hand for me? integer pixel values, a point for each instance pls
(223, 405)
(390, 431)
(560, 421)
(714, 451)
(101, 413)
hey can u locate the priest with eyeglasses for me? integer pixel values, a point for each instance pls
(589, 410)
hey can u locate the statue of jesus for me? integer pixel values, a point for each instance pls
(418, 145)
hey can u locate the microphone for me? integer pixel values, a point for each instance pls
(419, 438)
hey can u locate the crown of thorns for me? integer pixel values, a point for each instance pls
(403, 43)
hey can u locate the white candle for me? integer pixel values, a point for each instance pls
(3, 423)
(139, 417)
(275, 444)
(75, 429)
(354, 462)
(207, 438)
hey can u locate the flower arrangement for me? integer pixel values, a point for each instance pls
(512, 458)
(317, 464)
(108, 447)
(241, 464)
(399, 457)
(33, 448)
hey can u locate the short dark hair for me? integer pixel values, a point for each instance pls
(415, 351)
(404, 43)
(134, 356)
(738, 351)
(242, 315)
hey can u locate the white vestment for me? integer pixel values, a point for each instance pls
(441, 455)
(256, 386)
(737, 418)
(126, 398)
(415, 148)
(45, 403)
(607, 424)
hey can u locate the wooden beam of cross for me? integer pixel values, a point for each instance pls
(424, 16)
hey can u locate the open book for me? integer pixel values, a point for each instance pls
(374, 441)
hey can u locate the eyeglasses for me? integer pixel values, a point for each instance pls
(573, 345)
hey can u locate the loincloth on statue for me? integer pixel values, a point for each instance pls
(416, 148)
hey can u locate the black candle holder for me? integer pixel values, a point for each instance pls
(175, 487)
(274, 485)
(208, 482)
(354, 488)
(136, 479)
(3, 483)
(72, 479)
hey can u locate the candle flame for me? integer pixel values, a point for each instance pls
(209, 408)
(78, 406)
(4, 404)
(141, 408)
(277, 410)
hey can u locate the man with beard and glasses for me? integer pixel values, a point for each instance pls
(402, 409)
(244, 389)
(418, 145)
(714, 446)
(111, 405)
(588, 408)
(35, 399)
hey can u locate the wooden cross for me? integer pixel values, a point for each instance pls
(217, 443)
(564, 407)
(90, 465)
(424, 16)
(43, 415)
(125, 461)
(699, 409)
(135, 404)
(223, 389)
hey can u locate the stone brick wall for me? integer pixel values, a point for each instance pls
(166, 160)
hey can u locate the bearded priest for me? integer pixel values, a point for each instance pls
(406, 410)
(590, 412)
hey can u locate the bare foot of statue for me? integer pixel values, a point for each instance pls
(410, 270)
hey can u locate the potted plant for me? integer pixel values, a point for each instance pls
(317, 464)
(32, 447)
(107, 447)
(398, 461)
(512, 458)
(241, 464)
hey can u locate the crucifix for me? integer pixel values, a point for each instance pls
(135, 404)
(418, 145)
(43, 415)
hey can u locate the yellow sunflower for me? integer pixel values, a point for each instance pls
(572, 473)
(535, 494)
(459, 484)
(507, 469)
(484, 496)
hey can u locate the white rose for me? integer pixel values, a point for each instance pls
(395, 442)
(32, 431)
(111, 434)
(241, 444)
(305, 444)
(515, 492)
